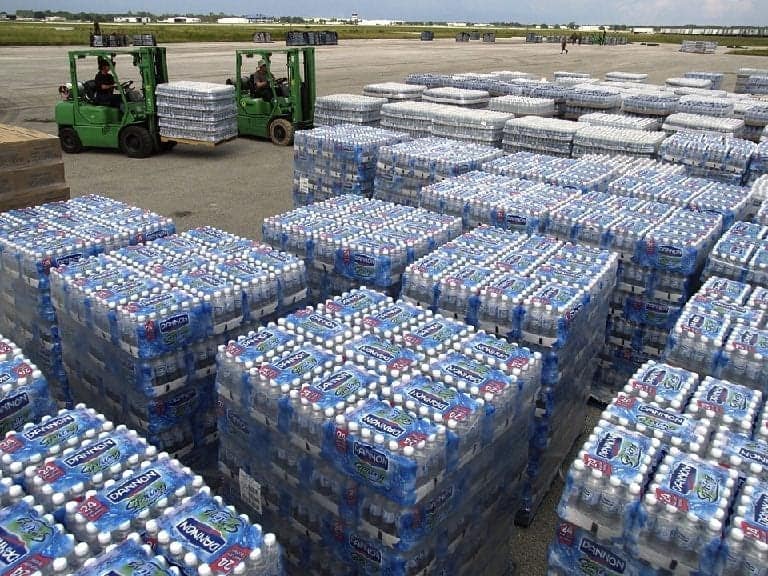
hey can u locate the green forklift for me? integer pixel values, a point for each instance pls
(131, 127)
(287, 104)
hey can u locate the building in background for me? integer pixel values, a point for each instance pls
(233, 20)
(181, 20)
(132, 19)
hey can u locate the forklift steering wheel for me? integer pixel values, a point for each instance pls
(126, 85)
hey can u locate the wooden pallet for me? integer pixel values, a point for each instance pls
(196, 142)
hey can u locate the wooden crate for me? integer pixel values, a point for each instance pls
(25, 198)
(31, 168)
(33, 178)
(24, 148)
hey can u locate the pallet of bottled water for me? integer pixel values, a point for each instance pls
(755, 115)
(140, 327)
(654, 104)
(621, 121)
(562, 75)
(698, 47)
(715, 78)
(758, 168)
(82, 496)
(394, 91)
(484, 127)
(706, 106)
(429, 80)
(24, 392)
(721, 336)
(744, 82)
(571, 81)
(633, 77)
(759, 193)
(670, 479)
(542, 135)
(404, 168)
(590, 173)
(702, 510)
(705, 92)
(740, 253)
(199, 111)
(511, 75)
(482, 198)
(358, 240)
(335, 160)
(743, 75)
(542, 293)
(713, 155)
(681, 121)
(523, 106)
(687, 82)
(33, 241)
(757, 84)
(495, 87)
(412, 118)
(457, 97)
(348, 109)
(658, 273)
(612, 140)
(588, 98)
(384, 424)
(472, 81)
(557, 92)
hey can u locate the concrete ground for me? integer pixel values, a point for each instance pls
(235, 186)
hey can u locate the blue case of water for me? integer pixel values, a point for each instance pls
(575, 551)
(381, 352)
(22, 402)
(29, 542)
(37, 440)
(434, 333)
(391, 474)
(64, 472)
(126, 559)
(631, 411)
(115, 504)
(216, 535)
(327, 391)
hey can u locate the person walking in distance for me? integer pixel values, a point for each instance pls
(563, 45)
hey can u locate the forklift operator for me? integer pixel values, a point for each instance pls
(260, 82)
(105, 85)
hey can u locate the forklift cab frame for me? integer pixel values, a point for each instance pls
(291, 106)
(133, 127)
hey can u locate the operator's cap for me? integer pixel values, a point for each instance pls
(262, 63)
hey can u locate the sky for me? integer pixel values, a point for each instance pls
(637, 12)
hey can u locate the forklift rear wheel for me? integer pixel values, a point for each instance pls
(70, 141)
(281, 132)
(136, 142)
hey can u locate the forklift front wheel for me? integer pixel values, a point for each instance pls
(70, 141)
(281, 132)
(136, 142)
